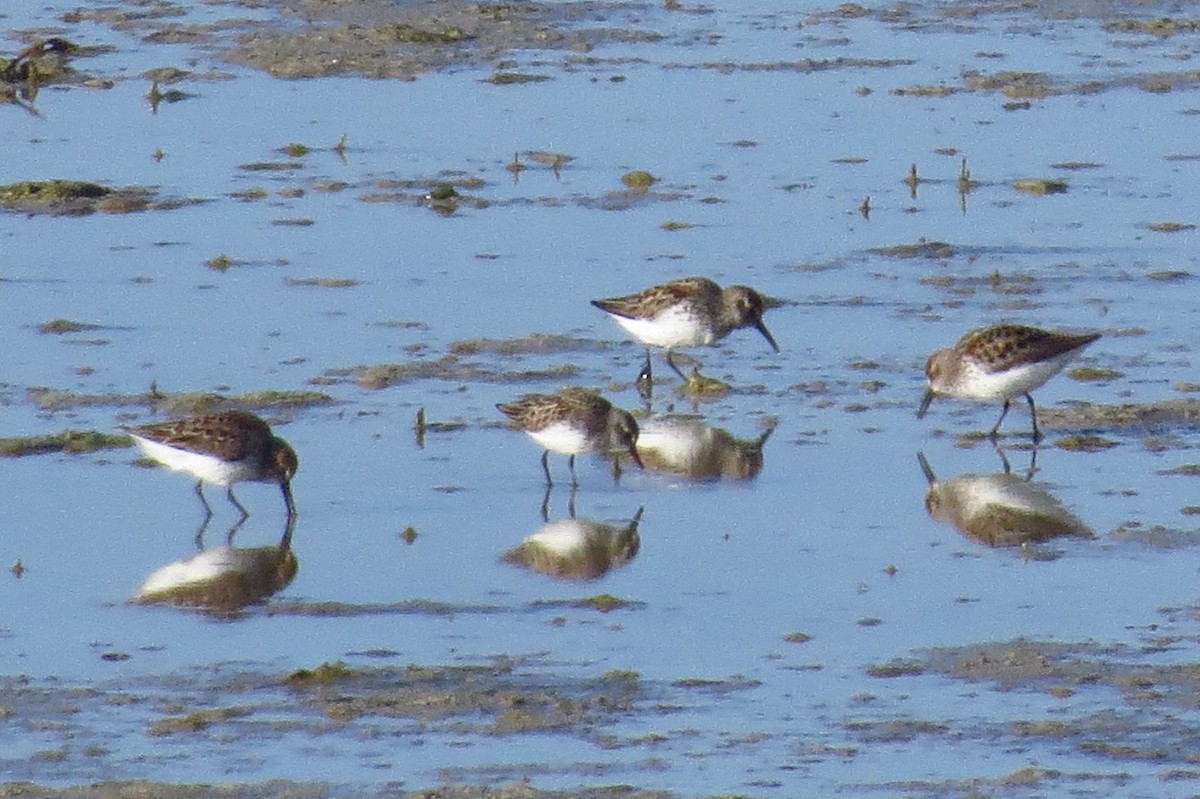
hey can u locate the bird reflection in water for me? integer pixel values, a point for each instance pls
(223, 580)
(41, 62)
(688, 447)
(576, 549)
(1001, 509)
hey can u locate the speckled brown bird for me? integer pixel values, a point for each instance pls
(688, 313)
(223, 449)
(572, 421)
(1001, 362)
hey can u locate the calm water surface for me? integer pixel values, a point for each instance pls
(830, 539)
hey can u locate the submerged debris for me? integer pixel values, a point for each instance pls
(61, 326)
(1040, 185)
(921, 249)
(701, 386)
(638, 179)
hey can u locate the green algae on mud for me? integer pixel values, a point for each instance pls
(140, 789)
(445, 194)
(1040, 186)
(1149, 720)
(51, 191)
(899, 667)
(1150, 417)
(503, 696)
(385, 40)
(1170, 227)
(70, 441)
(1094, 374)
(515, 78)
(638, 179)
(1085, 443)
(934, 250)
(289, 789)
(325, 673)
(494, 699)
(181, 403)
(533, 344)
(61, 326)
(698, 386)
(58, 197)
(447, 368)
(195, 722)
(1157, 26)
(1087, 419)
(320, 282)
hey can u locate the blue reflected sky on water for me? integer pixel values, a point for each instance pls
(725, 570)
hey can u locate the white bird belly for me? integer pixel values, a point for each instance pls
(561, 437)
(673, 327)
(1014, 382)
(207, 468)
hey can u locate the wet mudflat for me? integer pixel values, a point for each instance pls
(371, 222)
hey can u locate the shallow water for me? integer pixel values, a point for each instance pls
(831, 538)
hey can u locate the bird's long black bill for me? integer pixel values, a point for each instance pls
(761, 327)
(926, 468)
(925, 401)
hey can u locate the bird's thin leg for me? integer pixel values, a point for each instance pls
(236, 504)
(1003, 457)
(546, 467)
(645, 379)
(574, 479)
(288, 502)
(285, 543)
(671, 363)
(1037, 434)
(546, 505)
(996, 430)
(203, 501)
(233, 530)
(571, 503)
(200, 533)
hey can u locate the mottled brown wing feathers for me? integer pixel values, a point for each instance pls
(617, 306)
(534, 412)
(230, 436)
(1005, 346)
(530, 412)
(651, 301)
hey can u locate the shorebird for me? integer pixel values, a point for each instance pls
(687, 313)
(223, 449)
(1001, 362)
(572, 421)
